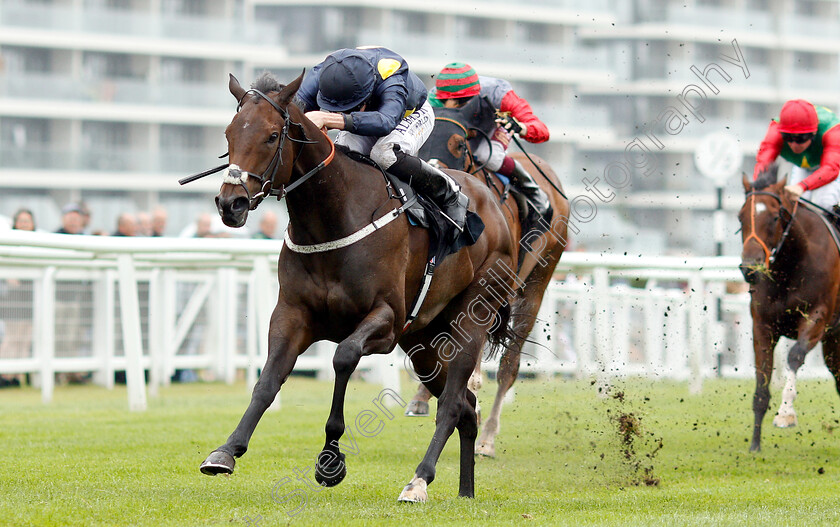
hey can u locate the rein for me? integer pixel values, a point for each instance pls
(237, 176)
(769, 255)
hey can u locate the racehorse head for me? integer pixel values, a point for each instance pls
(259, 145)
(765, 217)
(451, 142)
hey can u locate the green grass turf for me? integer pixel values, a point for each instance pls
(561, 459)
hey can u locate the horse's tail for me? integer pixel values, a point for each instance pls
(504, 331)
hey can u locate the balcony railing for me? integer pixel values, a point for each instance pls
(493, 50)
(129, 91)
(111, 159)
(136, 24)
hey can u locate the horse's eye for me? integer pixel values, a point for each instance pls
(273, 137)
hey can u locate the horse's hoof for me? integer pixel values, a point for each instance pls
(485, 450)
(330, 475)
(218, 462)
(415, 491)
(417, 409)
(784, 421)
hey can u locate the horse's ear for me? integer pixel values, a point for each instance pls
(747, 183)
(235, 88)
(291, 89)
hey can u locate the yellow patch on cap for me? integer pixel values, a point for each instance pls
(387, 67)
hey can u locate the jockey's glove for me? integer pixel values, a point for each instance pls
(510, 124)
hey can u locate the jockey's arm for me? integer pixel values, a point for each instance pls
(328, 120)
(535, 131)
(380, 121)
(769, 149)
(829, 161)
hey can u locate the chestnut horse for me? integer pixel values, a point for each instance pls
(792, 265)
(449, 147)
(348, 272)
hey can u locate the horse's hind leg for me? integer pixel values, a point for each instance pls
(764, 341)
(508, 371)
(419, 404)
(287, 339)
(831, 354)
(810, 333)
(456, 404)
(374, 334)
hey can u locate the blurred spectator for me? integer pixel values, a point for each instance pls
(159, 217)
(126, 225)
(85, 211)
(23, 220)
(144, 224)
(72, 220)
(16, 309)
(268, 226)
(204, 226)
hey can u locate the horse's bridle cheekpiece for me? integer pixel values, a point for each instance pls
(236, 176)
(769, 254)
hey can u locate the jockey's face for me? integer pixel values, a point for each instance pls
(798, 148)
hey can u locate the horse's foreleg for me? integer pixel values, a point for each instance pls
(508, 371)
(810, 333)
(374, 334)
(286, 341)
(763, 343)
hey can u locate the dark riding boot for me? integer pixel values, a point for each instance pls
(541, 207)
(835, 218)
(444, 191)
(434, 184)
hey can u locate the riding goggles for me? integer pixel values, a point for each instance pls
(796, 138)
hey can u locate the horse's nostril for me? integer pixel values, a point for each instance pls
(239, 205)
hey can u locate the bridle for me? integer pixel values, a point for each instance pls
(238, 176)
(472, 161)
(769, 255)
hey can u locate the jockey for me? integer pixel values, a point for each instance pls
(382, 111)
(807, 136)
(455, 85)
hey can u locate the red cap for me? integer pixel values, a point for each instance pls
(798, 117)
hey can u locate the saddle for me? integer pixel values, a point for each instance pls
(444, 238)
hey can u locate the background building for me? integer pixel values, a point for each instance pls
(111, 101)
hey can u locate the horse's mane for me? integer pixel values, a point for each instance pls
(266, 83)
(766, 178)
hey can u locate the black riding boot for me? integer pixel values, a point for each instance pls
(434, 184)
(835, 218)
(444, 191)
(541, 207)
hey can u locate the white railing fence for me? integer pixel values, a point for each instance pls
(73, 304)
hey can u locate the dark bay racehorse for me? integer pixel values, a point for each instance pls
(339, 284)
(791, 263)
(449, 147)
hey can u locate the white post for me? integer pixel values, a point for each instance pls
(103, 327)
(601, 279)
(132, 340)
(264, 309)
(168, 299)
(44, 332)
(156, 343)
(253, 335)
(696, 342)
